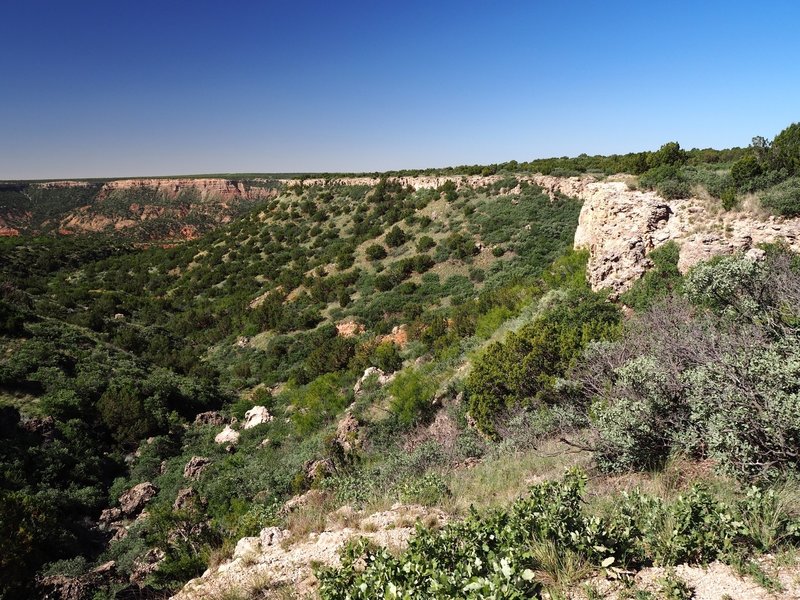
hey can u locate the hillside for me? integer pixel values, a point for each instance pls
(138, 209)
(510, 384)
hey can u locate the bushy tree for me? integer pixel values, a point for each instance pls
(785, 151)
(523, 369)
(715, 376)
(375, 252)
(396, 237)
(669, 154)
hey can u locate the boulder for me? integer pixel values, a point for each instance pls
(248, 546)
(42, 426)
(270, 536)
(187, 499)
(256, 416)
(134, 500)
(348, 433)
(83, 587)
(381, 378)
(316, 469)
(146, 565)
(195, 467)
(227, 436)
(211, 417)
(110, 515)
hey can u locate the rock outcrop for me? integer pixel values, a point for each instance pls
(348, 434)
(133, 501)
(205, 188)
(187, 499)
(195, 467)
(256, 416)
(380, 377)
(349, 329)
(269, 557)
(227, 436)
(83, 587)
(211, 417)
(620, 227)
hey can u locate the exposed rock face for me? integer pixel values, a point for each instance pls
(382, 379)
(146, 565)
(620, 227)
(43, 426)
(134, 500)
(205, 188)
(211, 417)
(399, 336)
(195, 467)
(109, 515)
(256, 416)
(96, 207)
(349, 329)
(316, 469)
(264, 556)
(227, 436)
(187, 499)
(61, 587)
(348, 434)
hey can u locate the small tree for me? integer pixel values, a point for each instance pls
(376, 252)
(396, 237)
(786, 149)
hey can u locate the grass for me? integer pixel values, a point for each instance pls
(500, 479)
(557, 569)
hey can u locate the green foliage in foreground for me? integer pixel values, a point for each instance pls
(500, 554)
(714, 375)
(524, 369)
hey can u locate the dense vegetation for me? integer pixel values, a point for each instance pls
(479, 317)
(107, 344)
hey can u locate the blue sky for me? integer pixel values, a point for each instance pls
(176, 87)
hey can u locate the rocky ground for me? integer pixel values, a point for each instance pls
(279, 561)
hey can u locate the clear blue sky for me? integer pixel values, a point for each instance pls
(115, 88)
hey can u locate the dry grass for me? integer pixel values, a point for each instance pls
(311, 517)
(259, 586)
(499, 480)
(751, 204)
(558, 569)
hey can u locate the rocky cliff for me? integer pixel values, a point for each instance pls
(145, 209)
(620, 227)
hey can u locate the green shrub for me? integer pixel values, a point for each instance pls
(662, 279)
(425, 243)
(428, 490)
(523, 369)
(784, 198)
(386, 357)
(502, 553)
(396, 237)
(714, 379)
(786, 149)
(412, 397)
(729, 198)
(745, 170)
(375, 252)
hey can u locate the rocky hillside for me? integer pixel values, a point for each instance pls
(141, 209)
(344, 357)
(620, 227)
